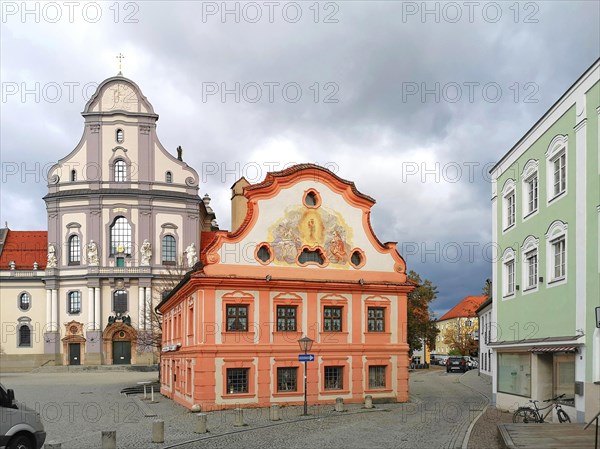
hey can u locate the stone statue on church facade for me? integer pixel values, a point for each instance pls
(52, 260)
(92, 254)
(146, 252)
(192, 255)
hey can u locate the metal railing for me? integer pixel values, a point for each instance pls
(595, 418)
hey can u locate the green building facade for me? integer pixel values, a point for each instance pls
(546, 266)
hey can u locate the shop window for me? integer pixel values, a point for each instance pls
(514, 373)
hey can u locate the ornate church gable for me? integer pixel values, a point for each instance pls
(305, 218)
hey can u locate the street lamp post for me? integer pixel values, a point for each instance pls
(305, 345)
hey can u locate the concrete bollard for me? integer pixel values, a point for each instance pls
(158, 431)
(239, 418)
(196, 408)
(52, 445)
(201, 426)
(274, 413)
(339, 404)
(109, 439)
(368, 401)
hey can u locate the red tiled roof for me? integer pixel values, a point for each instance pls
(466, 308)
(25, 248)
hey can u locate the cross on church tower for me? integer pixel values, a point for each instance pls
(120, 57)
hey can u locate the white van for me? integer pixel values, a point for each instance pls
(20, 427)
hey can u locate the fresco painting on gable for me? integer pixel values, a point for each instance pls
(301, 227)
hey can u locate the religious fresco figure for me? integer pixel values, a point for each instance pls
(337, 249)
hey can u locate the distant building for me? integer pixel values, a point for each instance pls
(301, 260)
(460, 322)
(546, 283)
(486, 330)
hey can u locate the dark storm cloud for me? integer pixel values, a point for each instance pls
(378, 132)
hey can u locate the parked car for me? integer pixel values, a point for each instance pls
(456, 363)
(20, 427)
(441, 360)
(472, 362)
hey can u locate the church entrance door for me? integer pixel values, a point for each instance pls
(121, 352)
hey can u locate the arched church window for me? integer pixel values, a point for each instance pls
(169, 177)
(73, 176)
(120, 237)
(169, 250)
(74, 250)
(120, 169)
(120, 136)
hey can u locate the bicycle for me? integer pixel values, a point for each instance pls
(530, 415)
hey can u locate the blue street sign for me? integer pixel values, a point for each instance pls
(306, 357)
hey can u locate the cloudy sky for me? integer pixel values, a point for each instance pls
(413, 102)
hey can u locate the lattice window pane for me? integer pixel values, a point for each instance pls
(237, 318)
(120, 236)
(287, 379)
(169, 249)
(286, 318)
(376, 319)
(237, 380)
(120, 168)
(120, 301)
(24, 301)
(334, 379)
(74, 302)
(24, 336)
(377, 376)
(332, 319)
(74, 250)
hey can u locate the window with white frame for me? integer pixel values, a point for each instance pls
(559, 165)
(557, 252)
(556, 167)
(530, 187)
(530, 262)
(558, 256)
(509, 272)
(532, 194)
(509, 195)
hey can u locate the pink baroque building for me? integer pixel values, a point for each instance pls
(301, 260)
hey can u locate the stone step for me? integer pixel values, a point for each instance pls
(85, 368)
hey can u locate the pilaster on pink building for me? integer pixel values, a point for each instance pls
(301, 260)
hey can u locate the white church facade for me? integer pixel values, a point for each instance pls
(124, 218)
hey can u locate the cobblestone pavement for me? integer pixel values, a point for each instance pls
(76, 407)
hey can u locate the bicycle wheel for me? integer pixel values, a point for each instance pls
(562, 416)
(525, 415)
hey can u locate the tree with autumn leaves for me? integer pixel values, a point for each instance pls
(421, 324)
